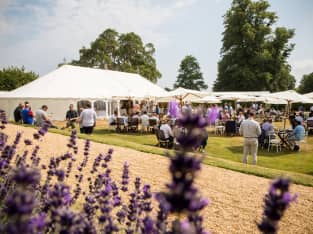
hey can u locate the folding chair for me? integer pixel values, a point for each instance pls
(162, 141)
(273, 141)
(120, 124)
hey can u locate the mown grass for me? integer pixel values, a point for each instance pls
(224, 152)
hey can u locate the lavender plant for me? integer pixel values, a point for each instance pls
(182, 196)
(276, 202)
(38, 198)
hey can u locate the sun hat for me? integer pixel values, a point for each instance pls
(299, 119)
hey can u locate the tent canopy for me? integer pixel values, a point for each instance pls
(309, 95)
(80, 82)
(182, 94)
(291, 96)
(207, 99)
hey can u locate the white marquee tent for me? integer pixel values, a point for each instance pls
(71, 84)
(309, 95)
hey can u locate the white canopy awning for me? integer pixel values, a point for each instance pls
(291, 96)
(236, 97)
(182, 94)
(207, 99)
(81, 82)
(309, 95)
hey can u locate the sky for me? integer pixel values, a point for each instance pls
(40, 34)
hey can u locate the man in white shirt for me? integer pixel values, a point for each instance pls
(144, 121)
(168, 133)
(88, 119)
(250, 129)
(41, 116)
(112, 119)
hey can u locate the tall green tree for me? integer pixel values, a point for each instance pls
(254, 55)
(306, 84)
(14, 77)
(120, 52)
(189, 74)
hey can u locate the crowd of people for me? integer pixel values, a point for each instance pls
(254, 133)
(24, 114)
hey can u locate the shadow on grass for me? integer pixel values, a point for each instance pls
(112, 131)
(261, 152)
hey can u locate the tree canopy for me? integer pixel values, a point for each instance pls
(254, 55)
(306, 84)
(120, 52)
(14, 77)
(189, 74)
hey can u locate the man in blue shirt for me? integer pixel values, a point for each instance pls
(27, 115)
(297, 135)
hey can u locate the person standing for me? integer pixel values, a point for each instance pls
(18, 113)
(71, 117)
(251, 130)
(88, 119)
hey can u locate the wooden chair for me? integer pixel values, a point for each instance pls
(152, 125)
(133, 124)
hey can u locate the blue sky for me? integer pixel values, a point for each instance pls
(40, 33)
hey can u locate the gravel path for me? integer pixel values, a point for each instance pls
(236, 198)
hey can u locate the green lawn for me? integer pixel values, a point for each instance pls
(225, 152)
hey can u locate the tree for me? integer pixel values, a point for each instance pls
(253, 55)
(120, 52)
(189, 74)
(14, 77)
(306, 84)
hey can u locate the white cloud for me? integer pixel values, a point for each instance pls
(62, 28)
(183, 3)
(301, 67)
(5, 26)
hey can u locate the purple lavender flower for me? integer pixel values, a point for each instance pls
(121, 214)
(26, 176)
(72, 142)
(60, 174)
(59, 195)
(182, 195)
(38, 223)
(17, 138)
(137, 184)
(28, 142)
(194, 131)
(276, 201)
(3, 140)
(36, 136)
(125, 177)
(19, 203)
(3, 119)
(148, 226)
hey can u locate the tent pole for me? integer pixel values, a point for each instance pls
(118, 108)
(106, 109)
